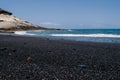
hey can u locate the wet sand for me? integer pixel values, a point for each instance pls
(32, 58)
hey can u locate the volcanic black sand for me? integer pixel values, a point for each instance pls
(32, 58)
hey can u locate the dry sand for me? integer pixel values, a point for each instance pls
(31, 58)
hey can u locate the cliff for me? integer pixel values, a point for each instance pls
(9, 23)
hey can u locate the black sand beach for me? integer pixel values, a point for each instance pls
(28, 58)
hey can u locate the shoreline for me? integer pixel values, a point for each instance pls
(52, 38)
(27, 57)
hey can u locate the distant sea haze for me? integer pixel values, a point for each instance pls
(93, 35)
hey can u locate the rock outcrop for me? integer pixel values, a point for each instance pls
(9, 23)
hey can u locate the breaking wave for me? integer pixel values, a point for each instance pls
(22, 33)
(87, 35)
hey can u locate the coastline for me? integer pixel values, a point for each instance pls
(27, 57)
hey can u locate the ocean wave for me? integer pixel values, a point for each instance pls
(38, 33)
(22, 33)
(70, 30)
(87, 35)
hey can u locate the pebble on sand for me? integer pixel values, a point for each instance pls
(29, 58)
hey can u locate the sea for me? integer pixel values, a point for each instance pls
(89, 35)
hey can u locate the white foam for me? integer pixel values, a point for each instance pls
(87, 35)
(22, 33)
(69, 30)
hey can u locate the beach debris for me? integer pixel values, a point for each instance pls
(10, 54)
(29, 58)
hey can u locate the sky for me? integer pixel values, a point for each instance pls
(68, 14)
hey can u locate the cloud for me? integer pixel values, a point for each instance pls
(49, 23)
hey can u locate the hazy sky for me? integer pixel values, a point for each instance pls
(67, 13)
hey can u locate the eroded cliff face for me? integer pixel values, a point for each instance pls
(9, 23)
